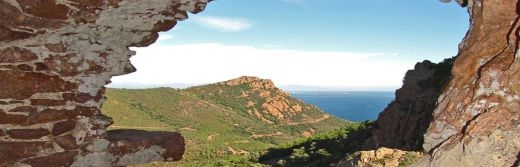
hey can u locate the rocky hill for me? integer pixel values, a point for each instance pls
(262, 99)
(232, 118)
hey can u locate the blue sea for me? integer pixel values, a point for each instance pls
(352, 106)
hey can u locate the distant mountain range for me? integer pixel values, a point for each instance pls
(290, 88)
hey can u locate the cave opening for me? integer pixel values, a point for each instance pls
(340, 42)
(303, 46)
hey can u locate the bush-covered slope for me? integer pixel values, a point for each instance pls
(219, 120)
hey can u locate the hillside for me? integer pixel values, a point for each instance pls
(232, 118)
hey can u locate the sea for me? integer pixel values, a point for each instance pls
(350, 105)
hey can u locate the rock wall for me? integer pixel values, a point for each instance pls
(404, 122)
(477, 120)
(56, 56)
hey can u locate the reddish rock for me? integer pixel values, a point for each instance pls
(13, 151)
(89, 6)
(41, 66)
(2, 133)
(22, 85)
(113, 3)
(48, 9)
(11, 118)
(54, 160)
(16, 102)
(56, 48)
(24, 67)
(49, 115)
(47, 102)
(82, 97)
(7, 35)
(164, 25)
(67, 142)
(16, 25)
(63, 127)
(16, 54)
(9, 67)
(130, 141)
(28, 133)
(62, 65)
(476, 120)
(24, 109)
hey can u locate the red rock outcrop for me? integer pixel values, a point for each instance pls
(477, 119)
(56, 56)
(275, 101)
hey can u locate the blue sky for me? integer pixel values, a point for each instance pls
(342, 44)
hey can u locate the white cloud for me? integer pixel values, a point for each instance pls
(164, 37)
(223, 23)
(209, 63)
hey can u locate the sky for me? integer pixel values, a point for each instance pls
(319, 44)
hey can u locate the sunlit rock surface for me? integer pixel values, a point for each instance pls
(477, 120)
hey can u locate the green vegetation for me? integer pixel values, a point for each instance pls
(409, 158)
(321, 149)
(215, 121)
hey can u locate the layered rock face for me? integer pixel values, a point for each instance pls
(55, 58)
(403, 123)
(475, 121)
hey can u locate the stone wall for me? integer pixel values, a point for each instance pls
(56, 56)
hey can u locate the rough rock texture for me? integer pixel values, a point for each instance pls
(55, 58)
(382, 157)
(477, 120)
(403, 123)
(276, 102)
